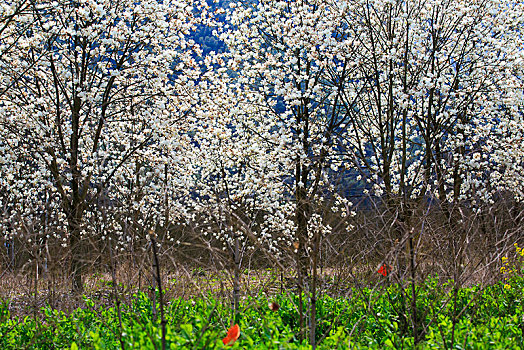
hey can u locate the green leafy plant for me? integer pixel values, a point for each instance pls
(369, 319)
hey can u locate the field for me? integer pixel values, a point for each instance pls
(489, 317)
(261, 174)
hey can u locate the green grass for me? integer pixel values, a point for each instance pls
(487, 318)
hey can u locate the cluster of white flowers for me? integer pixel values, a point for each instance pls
(425, 99)
(94, 100)
(110, 115)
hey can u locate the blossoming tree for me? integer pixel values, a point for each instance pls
(285, 119)
(432, 80)
(92, 82)
(431, 76)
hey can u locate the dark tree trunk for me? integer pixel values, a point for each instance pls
(302, 260)
(77, 252)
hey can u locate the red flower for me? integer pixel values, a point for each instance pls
(384, 270)
(232, 335)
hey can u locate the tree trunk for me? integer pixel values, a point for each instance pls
(77, 253)
(302, 218)
(302, 260)
(313, 292)
(236, 280)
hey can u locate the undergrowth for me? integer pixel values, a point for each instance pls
(477, 317)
